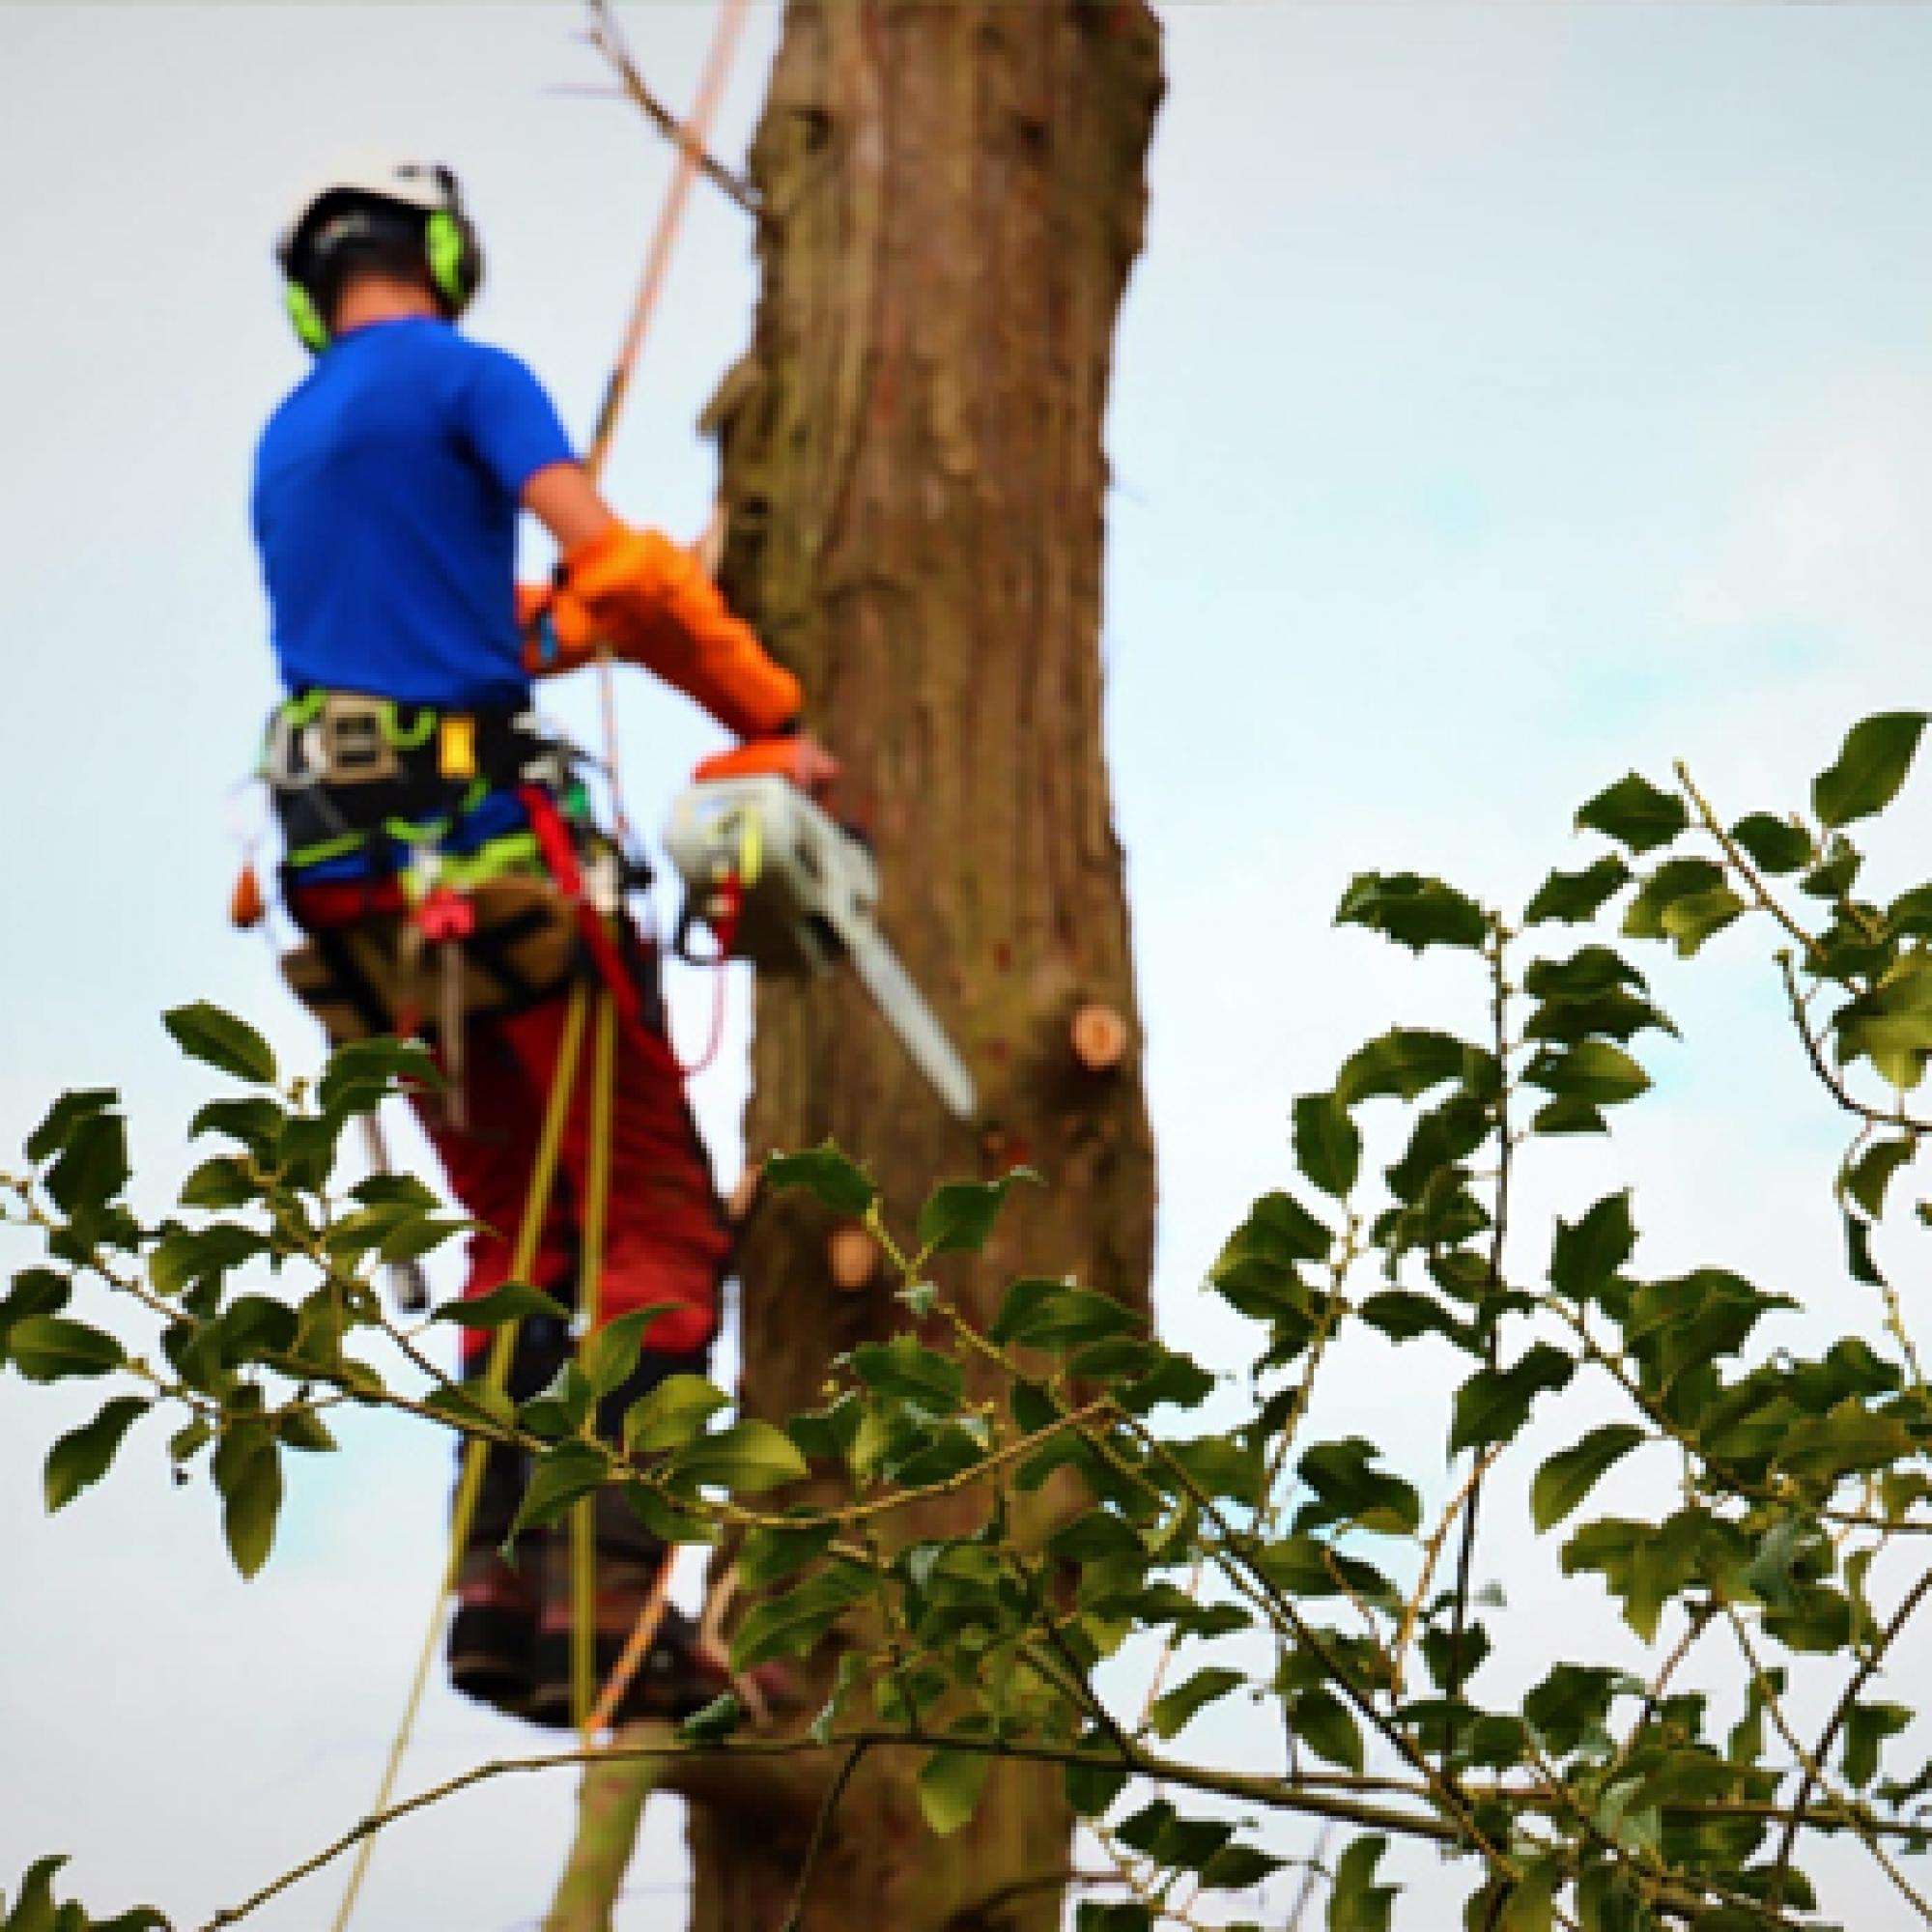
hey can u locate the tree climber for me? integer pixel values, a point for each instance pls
(417, 802)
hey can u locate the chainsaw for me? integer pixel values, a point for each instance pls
(785, 886)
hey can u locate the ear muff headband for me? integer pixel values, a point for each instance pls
(305, 317)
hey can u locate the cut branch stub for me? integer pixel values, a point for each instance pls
(852, 1256)
(1100, 1037)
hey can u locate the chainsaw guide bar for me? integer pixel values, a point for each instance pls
(807, 891)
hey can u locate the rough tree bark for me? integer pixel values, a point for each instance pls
(913, 471)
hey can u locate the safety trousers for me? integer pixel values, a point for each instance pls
(666, 1240)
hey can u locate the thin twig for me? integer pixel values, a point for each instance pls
(1466, 1554)
(609, 39)
(1815, 1777)
(1839, 1716)
(821, 1833)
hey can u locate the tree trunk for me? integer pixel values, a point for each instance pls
(915, 482)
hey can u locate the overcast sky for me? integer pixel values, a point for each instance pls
(1508, 396)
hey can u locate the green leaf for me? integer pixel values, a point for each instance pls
(34, 1910)
(842, 1185)
(1587, 975)
(1355, 1902)
(1094, 1784)
(1866, 1728)
(414, 1234)
(63, 1115)
(1586, 1256)
(1835, 878)
(950, 1785)
(362, 1073)
(1321, 1721)
(748, 1457)
(1348, 1488)
(248, 1472)
(514, 1301)
(903, 1369)
(792, 1624)
(1405, 1061)
(218, 1184)
(1867, 1181)
(186, 1257)
(84, 1455)
(959, 1218)
(1402, 1314)
(35, 1291)
(93, 1165)
(1172, 1840)
(561, 1476)
(473, 1404)
(142, 1918)
(1125, 1914)
(1327, 1143)
(1694, 918)
(51, 1347)
(256, 1122)
(1531, 1904)
(1044, 1314)
(1635, 815)
(1776, 845)
(1576, 896)
(717, 1721)
(220, 1040)
(1674, 879)
(1239, 1869)
(1593, 1070)
(1414, 911)
(1570, 1475)
(671, 1414)
(1871, 767)
(1493, 1403)
(1171, 1713)
(1569, 1116)
(395, 1190)
(610, 1355)
(770, 1555)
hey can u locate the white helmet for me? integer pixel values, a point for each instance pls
(415, 202)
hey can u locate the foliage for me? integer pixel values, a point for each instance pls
(1312, 1575)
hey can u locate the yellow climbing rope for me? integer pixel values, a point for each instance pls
(589, 1301)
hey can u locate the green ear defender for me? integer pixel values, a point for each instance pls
(306, 318)
(445, 253)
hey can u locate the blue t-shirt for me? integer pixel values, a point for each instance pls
(386, 492)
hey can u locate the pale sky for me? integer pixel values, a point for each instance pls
(1510, 395)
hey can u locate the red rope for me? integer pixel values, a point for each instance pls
(560, 855)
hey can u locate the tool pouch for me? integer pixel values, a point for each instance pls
(375, 975)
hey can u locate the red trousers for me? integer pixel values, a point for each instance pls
(664, 1235)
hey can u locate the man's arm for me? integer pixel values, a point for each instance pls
(565, 502)
(658, 608)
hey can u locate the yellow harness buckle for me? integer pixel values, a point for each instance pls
(456, 745)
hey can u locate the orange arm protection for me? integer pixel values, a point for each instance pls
(658, 608)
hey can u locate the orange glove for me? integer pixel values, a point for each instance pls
(557, 629)
(658, 608)
(795, 756)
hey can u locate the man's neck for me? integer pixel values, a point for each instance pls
(372, 298)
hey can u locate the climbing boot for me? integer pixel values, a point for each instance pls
(492, 1645)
